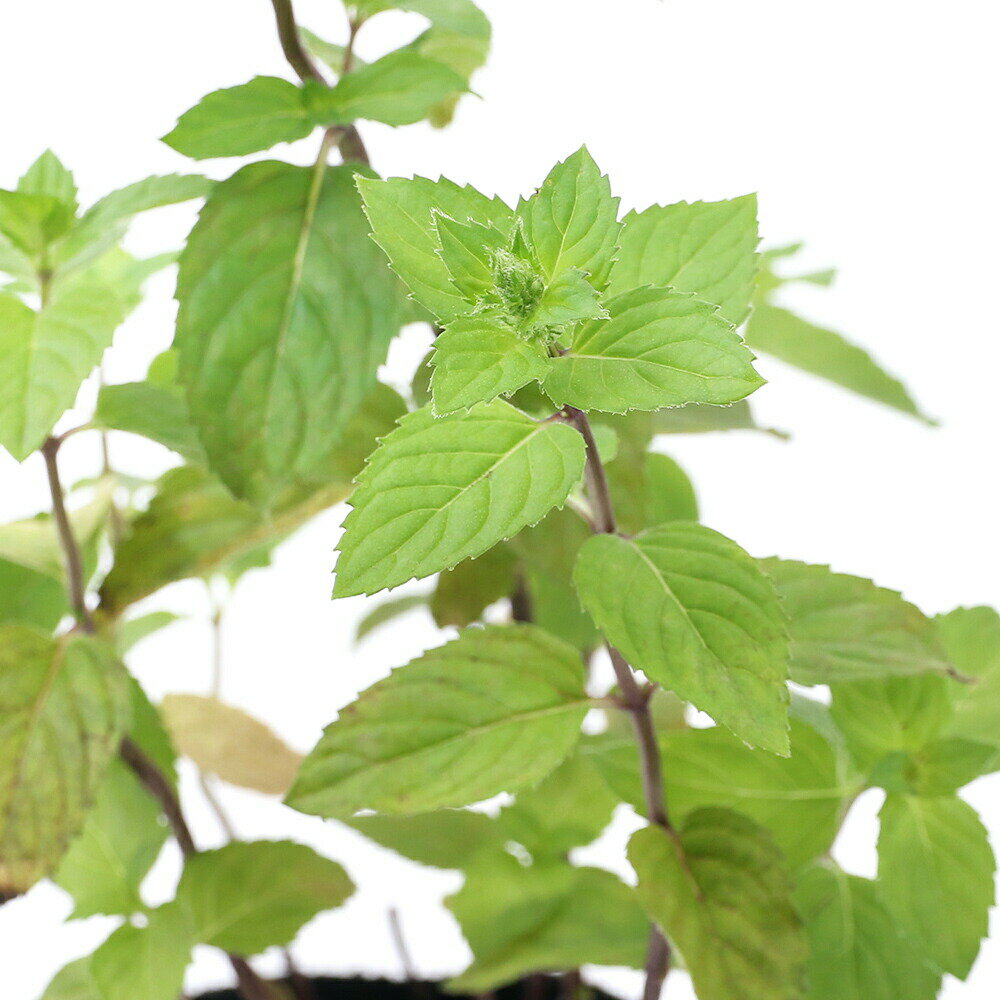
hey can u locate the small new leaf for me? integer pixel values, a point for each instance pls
(437, 491)
(494, 710)
(694, 611)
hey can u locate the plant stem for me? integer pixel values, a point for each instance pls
(71, 550)
(349, 140)
(634, 699)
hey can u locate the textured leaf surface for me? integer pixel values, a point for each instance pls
(45, 357)
(64, 704)
(845, 628)
(446, 838)
(494, 710)
(465, 592)
(400, 212)
(572, 220)
(856, 950)
(477, 359)
(437, 491)
(401, 88)
(547, 917)
(658, 348)
(693, 611)
(936, 872)
(229, 743)
(244, 119)
(705, 248)
(286, 311)
(146, 963)
(971, 637)
(720, 892)
(827, 354)
(246, 897)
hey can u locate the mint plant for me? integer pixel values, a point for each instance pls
(521, 473)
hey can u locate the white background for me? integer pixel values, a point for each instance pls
(869, 129)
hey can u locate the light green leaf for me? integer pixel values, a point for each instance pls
(693, 611)
(30, 597)
(719, 890)
(547, 917)
(244, 898)
(465, 592)
(936, 872)
(569, 298)
(401, 213)
(65, 705)
(120, 840)
(31, 222)
(857, 951)
(281, 343)
(244, 119)
(447, 838)
(231, 744)
(479, 358)
(466, 249)
(16, 263)
(389, 611)
(328, 53)
(702, 418)
(146, 963)
(845, 628)
(45, 357)
(152, 411)
(826, 354)
(570, 808)
(47, 176)
(946, 765)
(707, 248)
(399, 89)
(890, 715)
(971, 637)
(437, 491)
(73, 982)
(650, 490)
(494, 710)
(572, 220)
(659, 348)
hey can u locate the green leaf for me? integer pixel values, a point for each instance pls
(719, 890)
(857, 951)
(693, 611)
(73, 982)
(46, 356)
(707, 248)
(465, 592)
(226, 741)
(399, 89)
(285, 340)
(478, 358)
(650, 490)
(32, 222)
(388, 611)
(120, 840)
(30, 597)
(702, 418)
(826, 354)
(328, 53)
(936, 872)
(65, 705)
(946, 765)
(570, 808)
(437, 491)
(971, 637)
(447, 838)
(845, 628)
(801, 799)
(567, 299)
(402, 219)
(466, 249)
(546, 917)
(16, 263)
(890, 715)
(494, 710)
(658, 348)
(572, 220)
(245, 119)
(146, 963)
(193, 527)
(47, 176)
(244, 898)
(152, 411)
